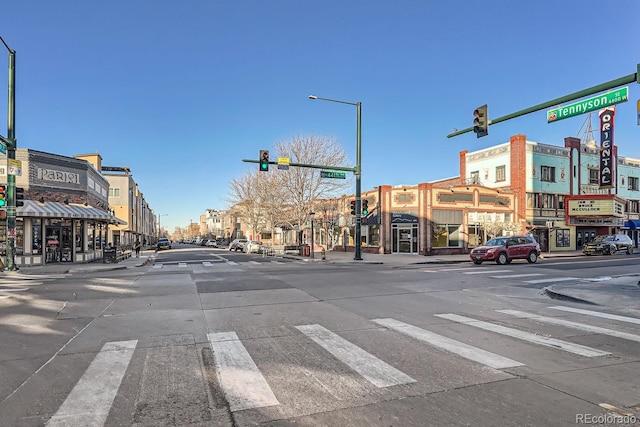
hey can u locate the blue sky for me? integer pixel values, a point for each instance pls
(181, 92)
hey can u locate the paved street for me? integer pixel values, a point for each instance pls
(206, 337)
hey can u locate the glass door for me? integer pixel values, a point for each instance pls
(405, 239)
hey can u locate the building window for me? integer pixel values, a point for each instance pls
(548, 173)
(501, 173)
(446, 236)
(594, 176)
(562, 238)
(560, 201)
(633, 206)
(633, 183)
(114, 192)
(475, 177)
(548, 201)
(36, 236)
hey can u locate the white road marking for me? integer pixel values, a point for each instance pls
(574, 325)
(207, 264)
(452, 346)
(254, 262)
(488, 271)
(243, 384)
(89, 402)
(555, 279)
(598, 314)
(157, 265)
(378, 372)
(182, 264)
(277, 262)
(514, 276)
(232, 263)
(526, 336)
(13, 289)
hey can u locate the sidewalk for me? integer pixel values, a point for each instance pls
(146, 257)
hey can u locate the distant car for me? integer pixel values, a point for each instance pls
(211, 243)
(237, 244)
(503, 250)
(163, 243)
(609, 245)
(252, 246)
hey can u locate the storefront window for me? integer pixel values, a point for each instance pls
(562, 238)
(446, 236)
(36, 236)
(374, 235)
(475, 235)
(19, 236)
(79, 232)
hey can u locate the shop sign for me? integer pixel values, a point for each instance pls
(606, 147)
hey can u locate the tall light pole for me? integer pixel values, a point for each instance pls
(160, 228)
(313, 244)
(11, 155)
(358, 173)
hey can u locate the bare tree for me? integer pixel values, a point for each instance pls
(245, 200)
(304, 186)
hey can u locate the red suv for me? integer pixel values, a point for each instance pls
(503, 250)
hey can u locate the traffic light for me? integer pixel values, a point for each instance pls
(3, 196)
(481, 121)
(353, 207)
(19, 196)
(264, 160)
(365, 207)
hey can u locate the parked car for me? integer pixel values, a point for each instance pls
(252, 246)
(608, 245)
(237, 244)
(503, 250)
(163, 243)
(211, 243)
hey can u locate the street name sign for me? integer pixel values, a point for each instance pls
(588, 105)
(332, 174)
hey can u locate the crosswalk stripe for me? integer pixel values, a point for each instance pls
(378, 372)
(254, 262)
(487, 271)
(207, 264)
(554, 279)
(515, 276)
(89, 402)
(452, 346)
(182, 264)
(526, 336)
(277, 262)
(574, 325)
(243, 384)
(13, 289)
(598, 314)
(157, 265)
(232, 263)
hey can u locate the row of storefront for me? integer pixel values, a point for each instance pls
(65, 216)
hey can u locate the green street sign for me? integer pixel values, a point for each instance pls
(588, 105)
(331, 174)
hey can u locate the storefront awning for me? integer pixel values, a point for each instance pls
(632, 224)
(32, 208)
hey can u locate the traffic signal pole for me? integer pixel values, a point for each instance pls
(631, 78)
(11, 154)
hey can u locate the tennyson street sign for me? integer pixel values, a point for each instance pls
(588, 105)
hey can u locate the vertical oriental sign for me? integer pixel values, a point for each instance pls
(606, 147)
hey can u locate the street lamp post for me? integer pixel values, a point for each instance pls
(11, 155)
(358, 173)
(312, 215)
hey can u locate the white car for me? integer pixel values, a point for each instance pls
(252, 246)
(212, 243)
